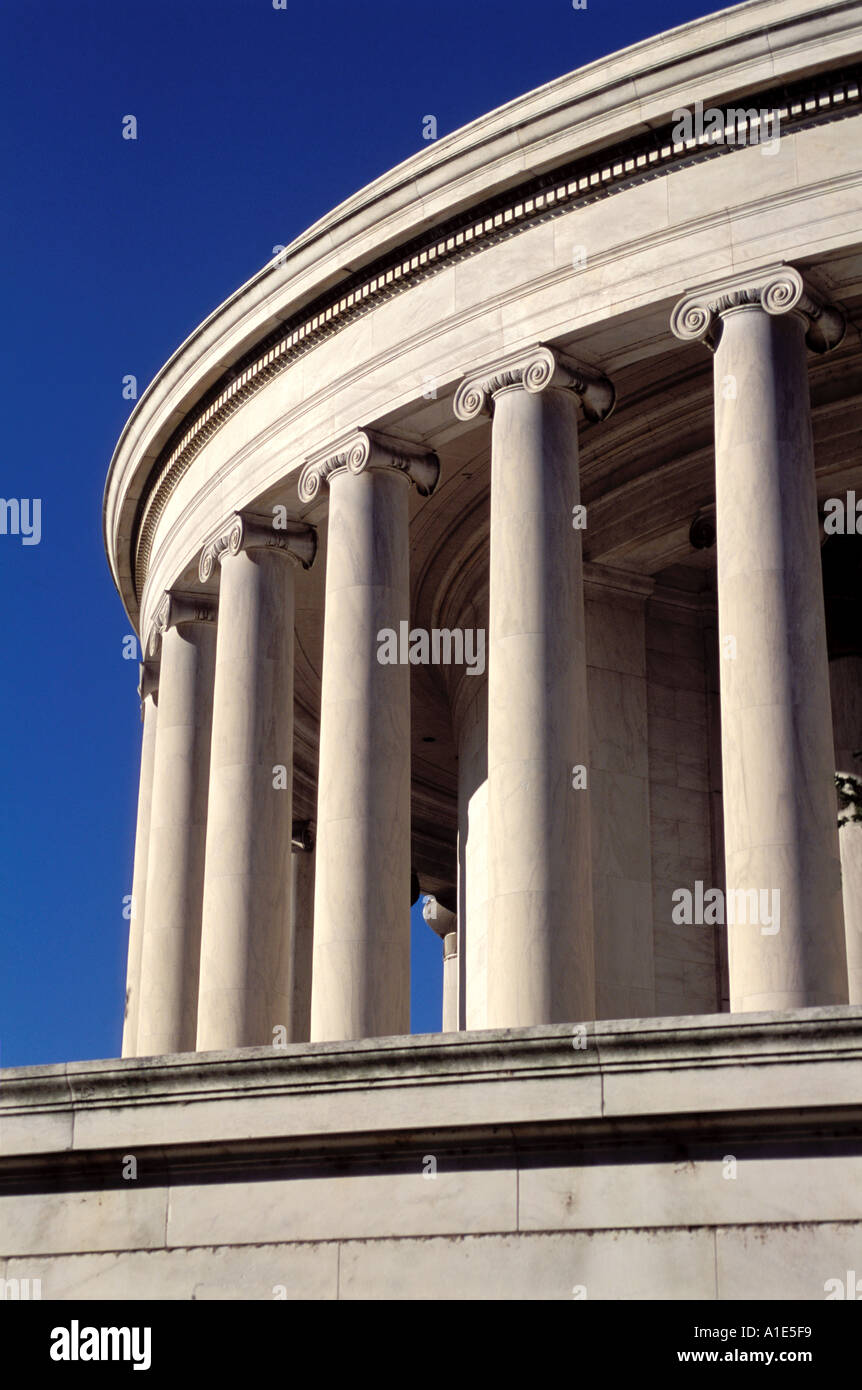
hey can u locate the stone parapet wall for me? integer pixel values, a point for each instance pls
(703, 1157)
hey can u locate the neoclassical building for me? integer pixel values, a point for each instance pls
(476, 548)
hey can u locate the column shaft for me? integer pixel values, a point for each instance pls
(473, 860)
(361, 975)
(149, 713)
(780, 819)
(170, 957)
(444, 923)
(540, 930)
(846, 690)
(245, 987)
(450, 983)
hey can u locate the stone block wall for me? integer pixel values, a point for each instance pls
(704, 1157)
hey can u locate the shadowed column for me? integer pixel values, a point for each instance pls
(302, 930)
(148, 690)
(540, 924)
(471, 723)
(846, 692)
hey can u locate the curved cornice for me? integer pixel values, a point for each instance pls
(392, 233)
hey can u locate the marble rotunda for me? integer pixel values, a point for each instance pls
(574, 383)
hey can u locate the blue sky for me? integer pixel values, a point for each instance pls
(252, 123)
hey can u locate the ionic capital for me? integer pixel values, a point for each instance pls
(534, 370)
(296, 540)
(369, 449)
(777, 289)
(148, 679)
(439, 918)
(176, 609)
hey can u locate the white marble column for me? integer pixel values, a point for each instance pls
(245, 970)
(148, 689)
(780, 822)
(540, 923)
(170, 957)
(444, 923)
(361, 970)
(845, 674)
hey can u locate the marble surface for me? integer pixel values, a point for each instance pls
(170, 956)
(778, 760)
(361, 961)
(388, 1168)
(540, 929)
(245, 990)
(149, 710)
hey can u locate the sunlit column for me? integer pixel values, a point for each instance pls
(780, 823)
(540, 924)
(361, 969)
(245, 972)
(170, 957)
(444, 923)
